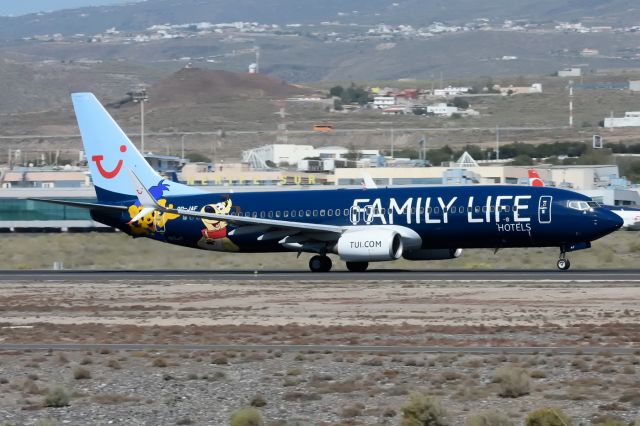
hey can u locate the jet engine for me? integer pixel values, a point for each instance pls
(432, 254)
(371, 245)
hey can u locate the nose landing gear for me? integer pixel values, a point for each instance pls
(563, 262)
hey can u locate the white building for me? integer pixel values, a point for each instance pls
(381, 102)
(570, 72)
(442, 109)
(630, 119)
(279, 154)
(634, 86)
(451, 91)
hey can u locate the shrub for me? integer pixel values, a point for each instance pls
(547, 417)
(423, 410)
(246, 417)
(57, 397)
(219, 360)
(258, 401)
(81, 373)
(160, 362)
(514, 382)
(114, 364)
(488, 418)
(610, 421)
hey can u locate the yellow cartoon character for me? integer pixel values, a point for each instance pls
(214, 235)
(152, 223)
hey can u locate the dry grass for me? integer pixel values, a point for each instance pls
(97, 251)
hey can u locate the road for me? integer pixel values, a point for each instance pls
(534, 276)
(371, 129)
(489, 350)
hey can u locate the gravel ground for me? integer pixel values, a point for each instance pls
(321, 388)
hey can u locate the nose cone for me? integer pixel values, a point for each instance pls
(609, 221)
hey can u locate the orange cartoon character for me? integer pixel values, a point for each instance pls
(214, 235)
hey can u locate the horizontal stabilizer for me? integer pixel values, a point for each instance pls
(91, 206)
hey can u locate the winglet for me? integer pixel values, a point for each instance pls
(368, 182)
(148, 203)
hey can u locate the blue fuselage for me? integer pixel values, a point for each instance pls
(495, 216)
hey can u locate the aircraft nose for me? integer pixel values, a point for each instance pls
(609, 221)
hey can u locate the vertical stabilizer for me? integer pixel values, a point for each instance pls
(110, 153)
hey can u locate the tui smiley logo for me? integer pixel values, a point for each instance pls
(106, 173)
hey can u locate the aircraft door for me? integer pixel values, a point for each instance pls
(544, 209)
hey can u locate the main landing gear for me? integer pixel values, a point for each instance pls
(320, 264)
(563, 262)
(357, 266)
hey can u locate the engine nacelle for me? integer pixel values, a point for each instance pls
(373, 245)
(432, 254)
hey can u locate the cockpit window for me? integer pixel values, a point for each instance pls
(593, 204)
(581, 205)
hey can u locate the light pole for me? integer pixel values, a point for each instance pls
(139, 94)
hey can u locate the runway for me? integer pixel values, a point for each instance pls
(484, 275)
(489, 350)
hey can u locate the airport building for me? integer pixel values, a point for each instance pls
(602, 182)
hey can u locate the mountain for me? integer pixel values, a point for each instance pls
(34, 6)
(138, 16)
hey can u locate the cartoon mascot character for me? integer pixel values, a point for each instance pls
(214, 235)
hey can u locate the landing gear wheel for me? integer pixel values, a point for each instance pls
(320, 264)
(564, 264)
(357, 266)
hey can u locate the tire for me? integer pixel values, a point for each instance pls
(357, 266)
(564, 264)
(316, 264)
(320, 264)
(326, 264)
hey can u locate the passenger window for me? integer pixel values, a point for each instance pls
(308, 213)
(346, 212)
(515, 208)
(321, 212)
(477, 209)
(285, 213)
(262, 215)
(301, 213)
(436, 210)
(254, 214)
(270, 214)
(507, 209)
(247, 214)
(337, 212)
(429, 210)
(293, 213)
(329, 212)
(315, 213)
(484, 209)
(277, 214)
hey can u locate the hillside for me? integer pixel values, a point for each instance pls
(194, 86)
(138, 16)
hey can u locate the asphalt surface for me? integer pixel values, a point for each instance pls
(599, 275)
(490, 350)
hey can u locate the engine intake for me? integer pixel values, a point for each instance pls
(369, 246)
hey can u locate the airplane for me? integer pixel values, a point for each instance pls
(630, 215)
(359, 225)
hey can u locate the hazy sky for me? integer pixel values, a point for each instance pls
(21, 7)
